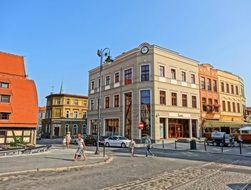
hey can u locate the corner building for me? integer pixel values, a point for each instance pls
(148, 84)
(65, 113)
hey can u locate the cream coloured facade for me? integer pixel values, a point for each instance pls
(232, 97)
(148, 84)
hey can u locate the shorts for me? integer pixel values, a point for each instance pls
(80, 151)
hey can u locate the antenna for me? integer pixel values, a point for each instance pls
(52, 89)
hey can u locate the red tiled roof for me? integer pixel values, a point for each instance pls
(12, 64)
(23, 105)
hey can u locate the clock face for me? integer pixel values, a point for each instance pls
(144, 50)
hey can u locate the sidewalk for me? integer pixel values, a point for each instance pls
(56, 159)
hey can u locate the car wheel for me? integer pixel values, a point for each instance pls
(107, 144)
(123, 145)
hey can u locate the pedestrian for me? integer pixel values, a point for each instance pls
(132, 145)
(148, 144)
(68, 139)
(81, 146)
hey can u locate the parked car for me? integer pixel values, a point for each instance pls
(219, 139)
(117, 140)
(91, 140)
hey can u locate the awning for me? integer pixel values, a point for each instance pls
(213, 123)
(246, 128)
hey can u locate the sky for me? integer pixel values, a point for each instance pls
(59, 39)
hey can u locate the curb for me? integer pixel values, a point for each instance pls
(107, 160)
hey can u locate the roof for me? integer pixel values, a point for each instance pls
(12, 64)
(68, 95)
(23, 107)
(42, 108)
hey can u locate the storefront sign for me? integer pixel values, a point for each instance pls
(179, 115)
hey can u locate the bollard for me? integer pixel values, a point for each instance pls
(104, 151)
(205, 146)
(175, 145)
(163, 145)
(240, 147)
(222, 144)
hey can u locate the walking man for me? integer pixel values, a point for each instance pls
(81, 146)
(148, 144)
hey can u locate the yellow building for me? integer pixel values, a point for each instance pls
(65, 113)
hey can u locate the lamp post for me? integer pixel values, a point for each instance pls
(102, 53)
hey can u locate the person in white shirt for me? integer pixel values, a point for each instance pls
(81, 146)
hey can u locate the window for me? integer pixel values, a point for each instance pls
(209, 84)
(216, 106)
(92, 85)
(237, 90)
(116, 77)
(183, 76)
(75, 129)
(161, 71)
(68, 101)
(173, 74)
(227, 88)
(67, 114)
(58, 101)
(4, 116)
(202, 83)
(75, 114)
(128, 76)
(193, 78)
(215, 85)
(224, 105)
(222, 87)
(116, 101)
(4, 85)
(174, 99)
(238, 108)
(107, 80)
(232, 89)
(4, 98)
(162, 97)
(204, 104)
(76, 101)
(84, 115)
(229, 106)
(210, 105)
(92, 105)
(144, 72)
(107, 102)
(67, 128)
(184, 100)
(233, 104)
(194, 102)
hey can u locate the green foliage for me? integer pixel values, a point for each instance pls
(18, 141)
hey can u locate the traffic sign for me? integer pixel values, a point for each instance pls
(141, 125)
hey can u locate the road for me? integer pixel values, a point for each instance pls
(169, 169)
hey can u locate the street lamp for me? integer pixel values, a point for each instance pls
(102, 53)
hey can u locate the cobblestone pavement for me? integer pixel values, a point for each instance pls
(169, 170)
(196, 178)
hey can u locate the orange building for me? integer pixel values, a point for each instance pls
(209, 94)
(18, 101)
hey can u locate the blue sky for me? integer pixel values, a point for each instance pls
(59, 38)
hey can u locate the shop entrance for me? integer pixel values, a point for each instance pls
(178, 128)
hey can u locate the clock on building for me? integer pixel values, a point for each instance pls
(144, 50)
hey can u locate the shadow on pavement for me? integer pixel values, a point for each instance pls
(54, 158)
(193, 156)
(240, 186)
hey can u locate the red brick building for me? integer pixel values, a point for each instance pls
(18, 101)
